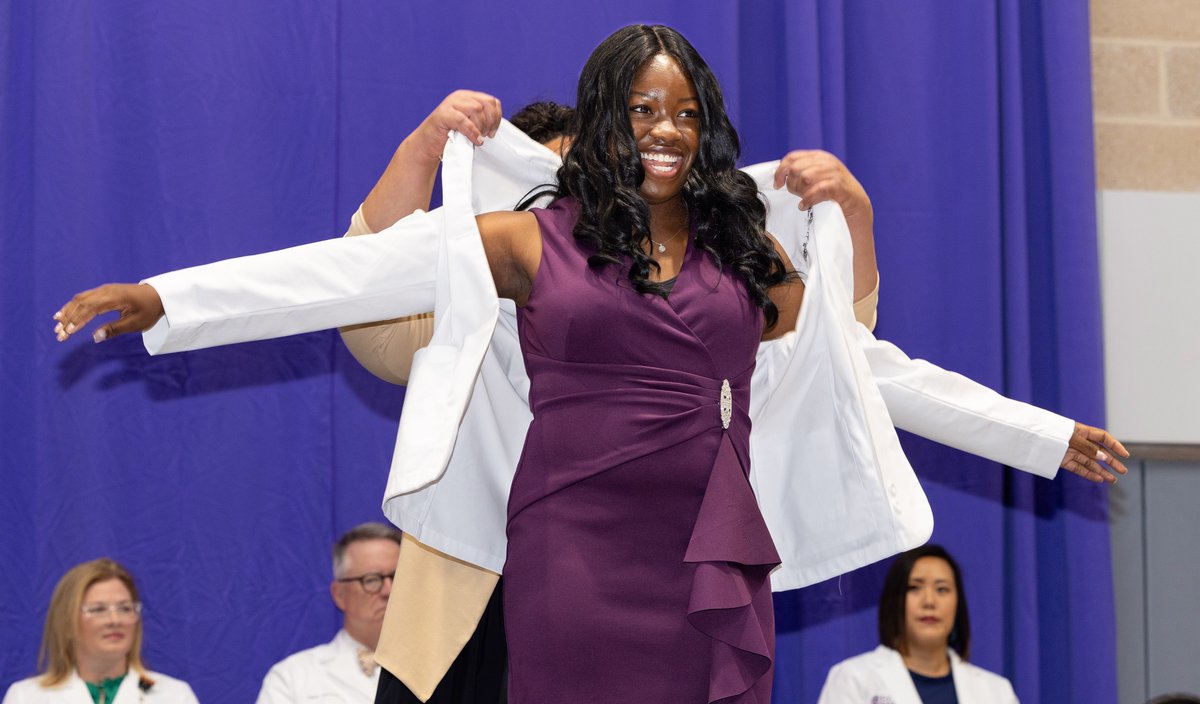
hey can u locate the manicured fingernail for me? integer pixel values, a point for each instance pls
(58, 315)
(58, 329)
(1102, 456)
(61, 336)
(100, 335)
(70, 328)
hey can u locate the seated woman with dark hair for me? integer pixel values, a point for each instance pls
(925, 640)
(92, 646)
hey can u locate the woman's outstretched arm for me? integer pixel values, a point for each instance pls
(290, 291)
(311, 287)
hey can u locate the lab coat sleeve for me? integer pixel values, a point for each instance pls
(315, 286)
(951, 409)
(920, 397)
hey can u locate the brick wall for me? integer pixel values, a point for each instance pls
(1146, 87)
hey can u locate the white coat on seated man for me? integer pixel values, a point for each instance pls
(343, 670)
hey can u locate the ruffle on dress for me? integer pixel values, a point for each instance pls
(734, 556)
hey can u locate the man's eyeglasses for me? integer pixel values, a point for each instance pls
(372, 582)
(123, 611)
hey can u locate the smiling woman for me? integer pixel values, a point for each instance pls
(91, 647)
(649, 282)
(654, 151)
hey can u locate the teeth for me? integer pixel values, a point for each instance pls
(663, 158)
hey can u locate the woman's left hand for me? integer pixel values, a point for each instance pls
(1092, 453)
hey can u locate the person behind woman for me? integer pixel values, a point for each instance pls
(925, 640)
(92, 645)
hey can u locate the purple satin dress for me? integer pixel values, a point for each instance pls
(638, 560)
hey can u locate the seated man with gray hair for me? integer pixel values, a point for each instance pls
(364, 563)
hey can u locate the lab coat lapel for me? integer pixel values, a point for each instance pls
(128, 691)
(465, 310)
(833, 483)
(463, 513)
(73, 691)
(341, 663)
(967, 685)
(897, 682)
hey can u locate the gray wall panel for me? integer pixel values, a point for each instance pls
(1172, 492)
(1156, 578)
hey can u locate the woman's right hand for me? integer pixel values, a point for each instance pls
(1094, 454)
(139, 305)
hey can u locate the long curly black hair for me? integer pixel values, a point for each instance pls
(603, 170)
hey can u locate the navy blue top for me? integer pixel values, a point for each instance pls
(935, 690)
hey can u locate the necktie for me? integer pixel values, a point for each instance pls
(366, 661)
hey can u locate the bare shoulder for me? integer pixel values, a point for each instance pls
(787, 297)
(513, 244)
(511, 221)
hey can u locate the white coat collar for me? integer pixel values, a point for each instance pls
(76, 688)
(343, 643)
(969, 685)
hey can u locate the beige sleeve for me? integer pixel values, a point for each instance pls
(434, 608)
(866, 310)
(386, 348)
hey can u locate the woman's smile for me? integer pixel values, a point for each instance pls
(664, 114)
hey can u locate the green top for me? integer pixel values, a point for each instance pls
(104, 692)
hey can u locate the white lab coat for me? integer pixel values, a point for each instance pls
(833, 484)
(325, 674)
(880, 677)
(166, 690)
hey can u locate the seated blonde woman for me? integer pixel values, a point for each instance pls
(92, 645)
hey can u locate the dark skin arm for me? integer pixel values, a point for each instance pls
(511, 241)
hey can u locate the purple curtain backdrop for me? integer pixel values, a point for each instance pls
(140, 137)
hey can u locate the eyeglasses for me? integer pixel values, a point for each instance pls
(372, 582)
(123, 611)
